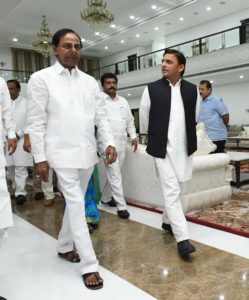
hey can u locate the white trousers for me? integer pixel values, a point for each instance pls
(47, 186)
(113, 185)
(171, 189)
(19, 177)
(5, 205)
(74, 230)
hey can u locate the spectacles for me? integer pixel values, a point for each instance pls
(77, 47)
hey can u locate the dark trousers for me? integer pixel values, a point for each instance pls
(220, 146)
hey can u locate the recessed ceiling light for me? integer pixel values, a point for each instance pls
(122, 41)
(211, 81)
(241, 76)
(156, 28)
(153, 6)
(137, 35)
(113, 26)
(208, 8)
(181, 19)
(129, 95)
(82, 40)
(106, 48)
(15, 39)
(132, 17)
(96, 33)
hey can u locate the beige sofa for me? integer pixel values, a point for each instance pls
(210, 183)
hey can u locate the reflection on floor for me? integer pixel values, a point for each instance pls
(136, 250)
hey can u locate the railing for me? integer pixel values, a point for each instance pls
(205, 44)
(21, 76)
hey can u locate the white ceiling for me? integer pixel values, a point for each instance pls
(22, 19)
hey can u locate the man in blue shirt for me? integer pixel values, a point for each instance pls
(214, 114)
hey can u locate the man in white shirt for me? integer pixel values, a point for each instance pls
(167, 114)
(64, 107)
(122, 122)
(18, 162)
(7, 123)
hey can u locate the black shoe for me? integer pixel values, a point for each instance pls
(2, 298)
(20, 199)
(111, 203)
(185, 248)
(39, 196)
(167, 227)
(124, 214)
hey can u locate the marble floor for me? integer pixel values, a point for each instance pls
(138, 260)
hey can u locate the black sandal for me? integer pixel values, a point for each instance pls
(97, 286)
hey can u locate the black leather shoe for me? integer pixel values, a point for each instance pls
(39, 196)
(124, 214)
(185, 248)
(111, 203)
(2, 298)
(167, 227)
(20, 199)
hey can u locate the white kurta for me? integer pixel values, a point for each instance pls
(121, 121)
(63, 108)
(8, 123)
(20, 158)
(177, 144)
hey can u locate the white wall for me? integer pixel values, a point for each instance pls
(123, 55)
(217, 25)
(236, 98)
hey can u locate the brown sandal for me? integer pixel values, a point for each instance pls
(93, 286)
(71, 256)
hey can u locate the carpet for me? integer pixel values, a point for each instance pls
(231, 216)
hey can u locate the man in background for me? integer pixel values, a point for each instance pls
(7, 125)
(18, 162)
(214, 114)
(122, 122)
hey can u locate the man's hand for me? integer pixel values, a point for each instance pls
(134, 144)
(110, 154)
(12, 144)
(42, 169)
(26, 144)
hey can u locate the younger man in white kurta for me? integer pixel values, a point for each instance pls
(122, 122)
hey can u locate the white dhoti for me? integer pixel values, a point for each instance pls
(74, 230)
(113, 185)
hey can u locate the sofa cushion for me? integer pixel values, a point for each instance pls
(204, 144)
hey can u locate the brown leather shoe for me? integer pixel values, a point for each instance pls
(48, 202)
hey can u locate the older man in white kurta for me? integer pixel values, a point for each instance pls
(122, 122)
(6, 120)
(65, 104)
(20, 160)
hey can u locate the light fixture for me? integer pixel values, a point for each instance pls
(96, 15)
(112, 25)
(83, 40)
(15, 39)
(137, 35)
(153, 6)
(241, 76)
(132, 17)
(106, 47)
(43, 44)
(156, 28)
(122, 41)
(208, 8)
(181, 19)
(96, 33)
